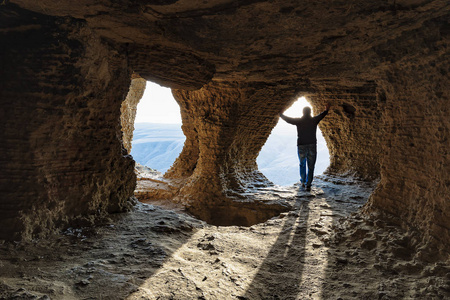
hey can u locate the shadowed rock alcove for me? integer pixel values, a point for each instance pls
(66, 69)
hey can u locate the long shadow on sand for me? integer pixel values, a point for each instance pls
(278, 278)
(298, 263)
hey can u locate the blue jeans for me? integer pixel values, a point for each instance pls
(307, 154)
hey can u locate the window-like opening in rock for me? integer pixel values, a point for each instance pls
(157, 138)
(278, 159)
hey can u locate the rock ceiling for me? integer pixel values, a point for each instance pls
(269, 41)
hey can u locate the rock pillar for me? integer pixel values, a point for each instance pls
(225, 124)
(128, 109)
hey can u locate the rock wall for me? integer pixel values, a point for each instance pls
(415, 129)
(61, 91)
(415, 159)
(128, 109)
(352, 128)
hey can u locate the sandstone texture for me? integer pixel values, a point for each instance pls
(61, 91)
(233, 66)
(128, 110)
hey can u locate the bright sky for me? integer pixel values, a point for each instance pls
(158, 106)
(295, 111)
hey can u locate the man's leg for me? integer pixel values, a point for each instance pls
(311, 155)
(302, 158)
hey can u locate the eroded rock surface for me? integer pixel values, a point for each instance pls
(128, 110)
(66, 69)
(61, 91)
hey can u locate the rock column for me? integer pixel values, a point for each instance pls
(128, 109)
(225, 124)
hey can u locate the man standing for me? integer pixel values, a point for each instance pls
(307, 142)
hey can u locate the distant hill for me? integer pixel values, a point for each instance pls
(158, 145)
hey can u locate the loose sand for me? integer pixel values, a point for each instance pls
(321, 249)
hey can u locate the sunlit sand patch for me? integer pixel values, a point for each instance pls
(232, 255)
(316, 256)
(318, 250)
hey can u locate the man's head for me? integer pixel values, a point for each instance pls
(307, 111)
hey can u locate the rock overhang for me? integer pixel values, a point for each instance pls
(269, 41)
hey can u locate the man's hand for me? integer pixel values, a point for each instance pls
(328, 106)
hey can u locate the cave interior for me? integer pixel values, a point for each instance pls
(72, 75)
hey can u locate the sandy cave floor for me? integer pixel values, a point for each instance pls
(321, 249)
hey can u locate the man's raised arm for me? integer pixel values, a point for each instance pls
(292, 121)
(324, 113)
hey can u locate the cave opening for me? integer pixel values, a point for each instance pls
(157, 136)
(278, 158)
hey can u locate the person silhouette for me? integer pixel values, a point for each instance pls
(307, 142)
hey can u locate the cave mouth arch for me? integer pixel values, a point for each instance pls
(216, 177)
(157, 136)
(278, 158)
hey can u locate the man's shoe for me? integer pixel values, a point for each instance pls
(308, 188)
(303, 185)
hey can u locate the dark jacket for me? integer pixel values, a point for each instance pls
(306, 127)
